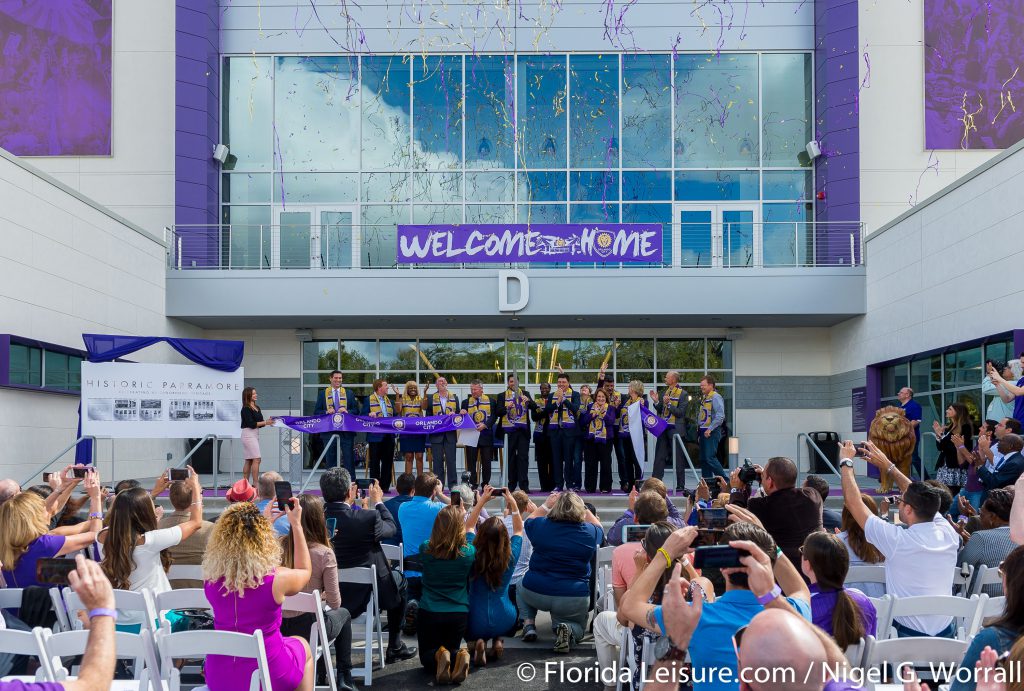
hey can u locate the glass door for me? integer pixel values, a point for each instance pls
(313, 237)
(716, 236)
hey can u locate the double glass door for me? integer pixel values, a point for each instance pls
(314, 237)
(716, 236)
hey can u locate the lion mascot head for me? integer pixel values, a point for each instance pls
(893, 434)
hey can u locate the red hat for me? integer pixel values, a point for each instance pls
(241, 491)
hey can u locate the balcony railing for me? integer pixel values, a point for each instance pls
(748, 245)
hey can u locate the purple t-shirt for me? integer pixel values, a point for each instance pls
(24, 574)
(16, 685)
(1018, 403)
(824, 603)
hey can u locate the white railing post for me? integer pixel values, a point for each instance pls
(853, 251)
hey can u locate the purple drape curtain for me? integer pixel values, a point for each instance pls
(225, 356)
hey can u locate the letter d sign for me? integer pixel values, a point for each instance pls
(513, 291)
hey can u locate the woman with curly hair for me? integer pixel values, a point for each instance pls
(447, 559)
(246, 586)
(491, 612)
(135, 552)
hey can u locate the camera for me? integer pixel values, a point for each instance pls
(748, 474)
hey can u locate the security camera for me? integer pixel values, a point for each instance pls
(220, 153)
(813, 149)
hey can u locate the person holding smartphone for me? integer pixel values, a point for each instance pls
(252, 422)
(135, 555)
(26, 536)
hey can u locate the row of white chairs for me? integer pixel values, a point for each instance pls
(367, 628)
(970, 613)
(966, 581)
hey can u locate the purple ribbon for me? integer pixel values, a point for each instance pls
(347, 422)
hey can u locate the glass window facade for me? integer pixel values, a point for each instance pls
(30, 365)
(559, 137)
(535, 361)
(939, 380)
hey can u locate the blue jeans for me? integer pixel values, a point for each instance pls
(709, 464)
(564, 609)
(907, 632)
(975, 499)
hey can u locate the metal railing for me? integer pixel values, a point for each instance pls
(243, 247)
(213, 439)
(817, 449)
(332, 439)
(40, 469)
(677, 443)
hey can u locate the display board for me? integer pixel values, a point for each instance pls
(125, 400)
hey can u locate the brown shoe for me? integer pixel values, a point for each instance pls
(497, 648)
(443, 660)
(460, 670)
(480, 653)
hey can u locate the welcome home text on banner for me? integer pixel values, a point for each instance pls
(347, 422)
(529, 242)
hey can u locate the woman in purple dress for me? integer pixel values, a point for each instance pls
(246, 586)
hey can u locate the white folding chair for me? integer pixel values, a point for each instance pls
(10, 598)
(138, 647)
(991, 607)
(985, 575)
(395, 553)
(961, 608)
(200, 644)
(627, 659)
(883, 620)
(962, 576)
(866, 573)
(184, 598)
(125, 600)
(368, 621)
(185, 572)
(605, 601)
(904, 652)
(63, 621)
(855, 653)
(311, 603)
(30, 644)
(604, 556)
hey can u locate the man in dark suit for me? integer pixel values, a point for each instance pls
(481, 409)
(335, 399)
(563, 407)
(512, 411)
(356, 543)
(541, 440)
(1011, 468)
(443, 445)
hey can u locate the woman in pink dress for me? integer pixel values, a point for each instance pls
(246, 586)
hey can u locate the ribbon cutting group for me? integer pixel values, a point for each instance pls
(574, 432)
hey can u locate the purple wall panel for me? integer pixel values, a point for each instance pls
(973, 53)
(837, 171)
(55, 77)
(197, 125)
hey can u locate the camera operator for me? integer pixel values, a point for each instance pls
(789, 513)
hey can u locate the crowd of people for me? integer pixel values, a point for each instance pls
(481, 563)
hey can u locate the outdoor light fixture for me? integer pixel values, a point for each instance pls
(549, 146)
(483, 149)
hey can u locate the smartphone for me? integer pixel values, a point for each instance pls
(718, 557)
(47, 476)
(54, 571)
(456, 499)
(283, 490)
(712, 519)
(332, 525)
(177, 474)
(634, 532)
(364, 483)
(862, 449)
(79, 472)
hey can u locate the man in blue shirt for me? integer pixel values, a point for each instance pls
(267, 495)
(416, 521)
(913, 411)
(748, 591)
(405, 484)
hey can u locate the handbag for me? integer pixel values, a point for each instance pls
(951, 477)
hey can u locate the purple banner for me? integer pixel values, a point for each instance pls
(651, 422)
(55, 77)
(529, 242)
(973, 55)
(346, 422)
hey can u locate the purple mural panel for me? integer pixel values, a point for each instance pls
(55, 77)
(973, 73)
